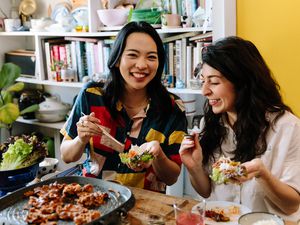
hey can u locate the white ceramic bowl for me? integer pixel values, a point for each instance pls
(48, 165)
(113, 17)
(263, 217)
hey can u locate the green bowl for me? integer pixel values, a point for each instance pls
(152, 16)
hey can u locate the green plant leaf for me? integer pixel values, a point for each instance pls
(9, 113)
(8, 74)
(129, 15)
(16, 87)
(6, 97)
(29, 109)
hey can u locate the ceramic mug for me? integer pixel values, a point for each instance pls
(12, 24)
(171, 20)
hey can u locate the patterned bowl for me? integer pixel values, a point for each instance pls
(48, 165)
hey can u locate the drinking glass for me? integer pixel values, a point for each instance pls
(190, 217)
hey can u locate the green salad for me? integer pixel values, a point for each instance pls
(135, 156)
(21, 151)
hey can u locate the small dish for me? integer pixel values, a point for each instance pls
(226, 207)
(48, 165)
(260, 218)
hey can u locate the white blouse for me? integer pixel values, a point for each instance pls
(282, 159)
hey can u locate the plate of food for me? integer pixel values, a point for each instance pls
(223, 212)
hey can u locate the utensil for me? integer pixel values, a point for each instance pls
(108, 135)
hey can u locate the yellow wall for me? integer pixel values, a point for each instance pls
(274, 27)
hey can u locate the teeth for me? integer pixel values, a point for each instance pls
(213, 101)
(138, 75)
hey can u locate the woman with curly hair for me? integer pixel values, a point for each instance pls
(245, 120)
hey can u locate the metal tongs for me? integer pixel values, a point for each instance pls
(108, 135)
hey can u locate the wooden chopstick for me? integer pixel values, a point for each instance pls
(106, 133)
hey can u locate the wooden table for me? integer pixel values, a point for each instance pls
(151, 205)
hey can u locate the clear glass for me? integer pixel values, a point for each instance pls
(190, 217)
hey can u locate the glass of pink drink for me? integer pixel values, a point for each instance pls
(188, 217)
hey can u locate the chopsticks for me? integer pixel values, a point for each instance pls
(107, 134)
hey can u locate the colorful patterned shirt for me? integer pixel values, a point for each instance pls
(146, 126)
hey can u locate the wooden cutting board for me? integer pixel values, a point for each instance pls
(152, 204)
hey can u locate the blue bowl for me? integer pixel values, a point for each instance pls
(11, 180)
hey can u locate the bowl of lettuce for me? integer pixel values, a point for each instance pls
(19, 161)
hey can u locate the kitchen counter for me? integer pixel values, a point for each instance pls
(152, 206)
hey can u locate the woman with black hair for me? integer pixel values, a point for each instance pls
(135, 108)
(245, 120)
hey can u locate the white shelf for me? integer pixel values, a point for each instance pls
(104, 32)
(57, 125)
(185, 91)
(19, 33)
(50, 83)
(79, 85)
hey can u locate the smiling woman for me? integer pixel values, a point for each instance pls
(134, 108)
(245, 120)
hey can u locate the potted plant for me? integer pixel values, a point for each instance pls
(168, 19)
(9, 111)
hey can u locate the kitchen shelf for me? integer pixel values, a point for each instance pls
(56, 126)
(50, 83)
(79, 85)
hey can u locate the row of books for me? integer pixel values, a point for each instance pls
(83, 56)
(184, 53)
(86, 57)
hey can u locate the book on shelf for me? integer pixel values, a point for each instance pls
(202, 37)
(179, 36)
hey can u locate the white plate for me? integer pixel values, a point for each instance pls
(224, 205)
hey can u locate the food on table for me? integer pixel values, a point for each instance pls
(217, 216)
(60, 201)
(225, 170)
(21, 151)
(265, 222)
(136, 156)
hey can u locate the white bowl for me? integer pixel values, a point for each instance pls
(48, 165)
(251, 218)
(113, 17)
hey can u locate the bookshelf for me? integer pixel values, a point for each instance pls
(224, 24)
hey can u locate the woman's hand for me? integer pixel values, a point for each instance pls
(191, 152)
(255, 168)
(153, 147)
(87, 127)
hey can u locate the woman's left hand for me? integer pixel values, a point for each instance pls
(153, 147)
(255, 168)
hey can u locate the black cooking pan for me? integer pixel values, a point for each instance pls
(120, 201)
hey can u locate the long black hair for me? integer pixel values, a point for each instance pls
(116, 84)
(257, 93)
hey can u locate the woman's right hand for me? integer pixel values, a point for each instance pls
(191, 152)
(87, 127)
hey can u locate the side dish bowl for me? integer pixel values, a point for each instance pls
(48, 165)
(260, 218)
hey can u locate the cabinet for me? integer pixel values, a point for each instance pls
(224, 24)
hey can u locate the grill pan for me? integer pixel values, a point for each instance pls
(121, 200)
